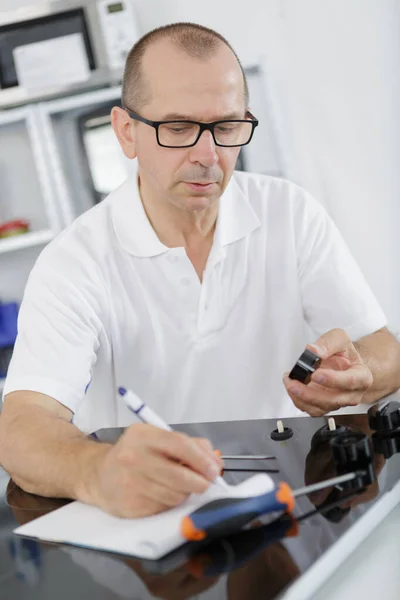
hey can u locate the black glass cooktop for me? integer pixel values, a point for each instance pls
(259, 562)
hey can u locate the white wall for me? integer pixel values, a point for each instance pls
(347, 95)
(334, 74)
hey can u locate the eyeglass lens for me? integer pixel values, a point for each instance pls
(227, 133)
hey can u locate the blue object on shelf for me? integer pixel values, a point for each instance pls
(8, 324)
(8, 333)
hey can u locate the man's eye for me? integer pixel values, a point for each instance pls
(226, 128)
(180, 129)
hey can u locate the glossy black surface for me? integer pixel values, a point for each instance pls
(256, 563)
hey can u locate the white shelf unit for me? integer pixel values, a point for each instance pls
(26, 192)
(64, 147)
(26, 189)
(25, 240)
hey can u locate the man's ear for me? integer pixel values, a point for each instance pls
(124, 128)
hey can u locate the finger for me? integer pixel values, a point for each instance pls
(317, 400)
(332, 342)
(322, 396)
(208, 447)
(340, 363)
(162, 494)
(185, 449)
(313, 411)
(358, 377)
(174, 475)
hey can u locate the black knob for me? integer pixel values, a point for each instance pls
(387, 444)
(351, 449)
(305, 366)
(325, 434)
(384, 417)
(364, 477)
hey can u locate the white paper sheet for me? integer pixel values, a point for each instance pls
(55, 62)
(150, 537)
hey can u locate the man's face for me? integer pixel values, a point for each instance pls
(185, 88)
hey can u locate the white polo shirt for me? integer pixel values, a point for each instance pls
(108, 305)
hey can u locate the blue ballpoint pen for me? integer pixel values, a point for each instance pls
(146, 415)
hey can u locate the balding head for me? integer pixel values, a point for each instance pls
(187, 39)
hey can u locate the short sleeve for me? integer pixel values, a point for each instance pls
(60, 321)
(334, 291)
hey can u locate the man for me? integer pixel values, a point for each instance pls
(191, 286)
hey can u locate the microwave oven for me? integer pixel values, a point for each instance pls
(107, 28)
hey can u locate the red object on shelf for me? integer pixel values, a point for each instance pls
(14, 228)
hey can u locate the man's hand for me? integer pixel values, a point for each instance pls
(341, 380)
(150, 470)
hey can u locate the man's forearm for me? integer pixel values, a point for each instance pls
(381, 353)
(52, 458)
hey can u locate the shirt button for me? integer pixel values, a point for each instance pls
(185, 281)
(173, 258)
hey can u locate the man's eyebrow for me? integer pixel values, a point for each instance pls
(182, 117)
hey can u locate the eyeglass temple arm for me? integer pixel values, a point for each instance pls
(251, 116)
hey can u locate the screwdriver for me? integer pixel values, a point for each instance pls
(226, 515)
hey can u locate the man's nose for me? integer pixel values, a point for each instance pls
(204, 151)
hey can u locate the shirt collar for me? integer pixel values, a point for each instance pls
(131, 224)
(236, 216)
(236, 219)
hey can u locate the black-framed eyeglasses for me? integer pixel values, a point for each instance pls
(183, 134)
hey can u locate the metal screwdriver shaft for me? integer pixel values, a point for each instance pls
(315, 487)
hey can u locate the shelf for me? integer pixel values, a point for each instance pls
(25, 240)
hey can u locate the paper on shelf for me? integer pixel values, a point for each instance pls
(59, 61)
(149, 537)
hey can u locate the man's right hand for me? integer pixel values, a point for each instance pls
(150, 470)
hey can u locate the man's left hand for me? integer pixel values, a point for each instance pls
(341, 380)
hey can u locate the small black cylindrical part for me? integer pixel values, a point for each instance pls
(351, 447)
(324, 435)
(385, 417)
(387, 444)
(278, 436)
